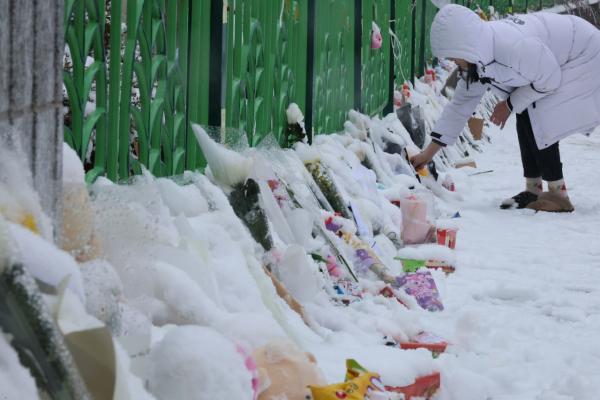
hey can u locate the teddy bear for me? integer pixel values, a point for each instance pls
(285, 372)
(77, 234)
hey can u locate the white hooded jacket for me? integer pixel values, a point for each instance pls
(548, 64)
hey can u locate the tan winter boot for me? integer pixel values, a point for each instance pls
(552, 202)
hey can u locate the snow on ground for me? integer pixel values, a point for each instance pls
(523, 309)
(176, 264)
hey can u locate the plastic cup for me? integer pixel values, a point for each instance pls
(415, 231)
(414, 220)
(447, 237)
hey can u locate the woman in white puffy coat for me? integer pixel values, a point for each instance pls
(545, 67)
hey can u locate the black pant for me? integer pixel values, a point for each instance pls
(545, 163)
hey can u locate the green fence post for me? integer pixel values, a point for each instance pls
(413, 48)
(113, 94)
(334, 64)
(422, 38)
(218, 43)
(392, 76)
(101, 89)
(199, 26)
(310, 70)
(134, 11)
(401, 49)
(357, 54)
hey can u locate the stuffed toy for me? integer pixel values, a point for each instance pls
(77, 224)
(376, 38)
(76, 234)
(285, 372)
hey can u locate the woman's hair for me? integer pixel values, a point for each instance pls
(472, 74)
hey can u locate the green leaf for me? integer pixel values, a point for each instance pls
(69, 137)
(93, 174)
(145, 50)
(156, 114)
(140, 124)
(92, 9)
(157, 27)
(157, 62)
(179, 125)
(89, 76)
(178, 159)
(68, 10)
(142, 131)
(72, 92)
(78, 63)
(154, 161)
(135, 166)
(140, 72)
(91, 30)
(167, 147)
(167, 143)
(88, 127)
(179, 100)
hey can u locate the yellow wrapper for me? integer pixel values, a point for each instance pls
(355, 389)
(359, 382)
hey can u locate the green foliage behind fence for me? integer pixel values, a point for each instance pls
(139, 72)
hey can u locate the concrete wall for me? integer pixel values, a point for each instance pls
(31, 53)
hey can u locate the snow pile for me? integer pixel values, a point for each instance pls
(195, 362)
(298, 244)
(103, 291)
(47, 263)
(227, 166)
(19, 202)
(72, 167)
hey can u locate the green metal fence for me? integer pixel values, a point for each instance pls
(148, 83)
(266, 71)
(403, 51)
(139, 72)
(333, 62)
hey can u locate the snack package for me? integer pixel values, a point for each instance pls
(360, 384)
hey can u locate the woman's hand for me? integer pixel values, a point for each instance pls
(501, 113)
(423, 158)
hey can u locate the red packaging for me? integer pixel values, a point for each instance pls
(447, 237)
(427, 341)
(425, 386)
(437, 264)
(389, 293)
